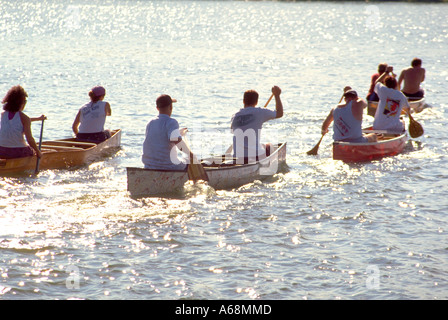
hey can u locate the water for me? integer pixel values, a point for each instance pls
(319, 230)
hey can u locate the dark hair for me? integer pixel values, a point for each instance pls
(390, 82)
(93, 97)
(14, 99)
(382, 67)
(250, 97)
(416, 62)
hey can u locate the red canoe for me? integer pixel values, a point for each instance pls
(389, 145)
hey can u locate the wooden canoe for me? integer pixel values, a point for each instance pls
(60, 154)
(417, 105)
(222, 171)
(389, 145)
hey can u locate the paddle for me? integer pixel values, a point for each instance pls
(269, 100)
(316, 147)
(415, 128)
(195, 169)
(40, 146)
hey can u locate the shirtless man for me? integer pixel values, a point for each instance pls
(412, 78)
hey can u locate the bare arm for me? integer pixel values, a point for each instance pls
(400, 79)
(327, 122)
(26, 122)
(76, 123)
(357, 108)
(42, 117)
(276, 91)
(108, 109)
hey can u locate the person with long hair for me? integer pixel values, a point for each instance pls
(90, 119)
(15, 126)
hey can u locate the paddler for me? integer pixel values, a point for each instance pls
(347, 119)
(247, 123)
(90, 119)
(163, 139)
(412, 78)
(392, 102)
(15, 124)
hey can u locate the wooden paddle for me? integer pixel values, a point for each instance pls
(316, 147)
(415, 128)
(269, 100)
(196, 171)
(36, 171)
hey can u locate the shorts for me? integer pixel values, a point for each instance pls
(373, 97)
(11, 153)
(356, 140)
(419, 94)
(94, 137)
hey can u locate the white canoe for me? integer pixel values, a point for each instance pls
(222, 175)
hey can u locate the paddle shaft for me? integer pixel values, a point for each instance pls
(316, 147)
(40, 145)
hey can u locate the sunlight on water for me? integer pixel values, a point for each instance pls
(309, 232)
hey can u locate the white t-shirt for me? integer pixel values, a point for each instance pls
(246, 128)
(387, 116)
(93, 117)
(159, 149)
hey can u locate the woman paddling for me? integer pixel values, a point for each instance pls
(15, 126)
(90, 120)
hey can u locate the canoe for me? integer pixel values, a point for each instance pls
(222, 171)
(416, 106)
(389, 145)
(61, 154)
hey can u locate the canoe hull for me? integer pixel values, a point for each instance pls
(61, 154)
(361, 152)
(416, 106)
(147, 182)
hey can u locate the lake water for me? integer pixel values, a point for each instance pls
(320, 229)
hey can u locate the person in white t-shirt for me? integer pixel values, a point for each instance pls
(247, 123)
(392, 102)
(163, 139)
(90, 119)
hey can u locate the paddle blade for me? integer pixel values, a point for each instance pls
(313, 151)
(196, 172)
(415, 128)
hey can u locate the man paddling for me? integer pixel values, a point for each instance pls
(247, 123)
(163, 139)
(347, 119)
(392, 102)
(412, 78)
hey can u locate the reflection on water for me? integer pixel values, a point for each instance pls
(313, 231)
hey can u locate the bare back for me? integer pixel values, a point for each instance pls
(412, 77)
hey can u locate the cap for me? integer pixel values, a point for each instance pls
(350, 92)
(164, 100)
(98, 91)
